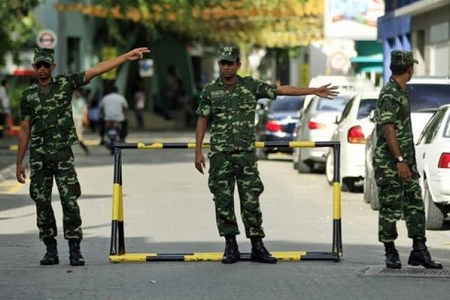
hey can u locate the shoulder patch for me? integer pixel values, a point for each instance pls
(216, 94)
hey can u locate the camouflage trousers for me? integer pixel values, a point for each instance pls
(397, 198)
(60, 166)
(227, 169)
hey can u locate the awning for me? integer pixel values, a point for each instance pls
(376, 69)
(376, 58)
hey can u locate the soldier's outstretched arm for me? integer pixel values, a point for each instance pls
(324, 91)
(105, 66)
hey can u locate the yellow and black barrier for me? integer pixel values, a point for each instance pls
(117, 249)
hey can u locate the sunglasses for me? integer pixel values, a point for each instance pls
(226, 63)
(42, 64)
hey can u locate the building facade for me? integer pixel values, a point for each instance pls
(421, 26)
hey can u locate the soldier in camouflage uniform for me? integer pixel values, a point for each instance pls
(229, 104)
(47, 124)
(395, 167)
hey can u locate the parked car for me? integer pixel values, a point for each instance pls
(426, 95)
(275, 121)
(352, 130)
(317, 123)
(433, 165)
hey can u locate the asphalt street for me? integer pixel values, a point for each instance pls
(168, 208)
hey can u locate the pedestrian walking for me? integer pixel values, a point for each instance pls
(395, 167)
(139, 106)
(229, 103)
(47, 124)
(94, 113)
(80, 117)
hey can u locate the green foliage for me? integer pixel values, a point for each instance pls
(267, 23)
(17, 26)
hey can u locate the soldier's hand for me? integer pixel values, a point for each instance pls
(137, 53)
(20, 174)
(327, 91)
(200, 162)
(404, 173)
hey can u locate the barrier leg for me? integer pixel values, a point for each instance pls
(337, 229)
(117, 228)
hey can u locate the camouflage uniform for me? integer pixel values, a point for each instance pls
(232, 156)
(48, 108)
(396, 196)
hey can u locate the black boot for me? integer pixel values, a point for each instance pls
(260, 253)
(51, 256)
(231, 254)
(392, 258)
(76, 259)
(420, 256)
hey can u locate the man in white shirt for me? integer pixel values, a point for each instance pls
(114, 107)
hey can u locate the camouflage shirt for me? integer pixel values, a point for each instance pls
(393, 107)
(49, 110)
(232, 114)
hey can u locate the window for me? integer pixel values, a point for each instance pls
(424, 97)
(336, 105)
(286, 103)
(431, 128)
(365, 107)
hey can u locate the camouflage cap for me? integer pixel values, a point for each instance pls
(44, 54)
(402, 58)
(228, 53)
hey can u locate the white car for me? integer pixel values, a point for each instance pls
(433, 165)
(426, 94)
(317, 123)
(352, 130)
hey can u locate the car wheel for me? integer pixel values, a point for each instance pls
(262, 155)
(374, 202)
(434, 215)
(348, 184)
(302, 167)
(329, 168)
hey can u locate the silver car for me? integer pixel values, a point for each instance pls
(317, 123)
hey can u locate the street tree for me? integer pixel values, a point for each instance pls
(17, 27)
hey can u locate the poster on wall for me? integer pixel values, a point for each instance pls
(352, 19)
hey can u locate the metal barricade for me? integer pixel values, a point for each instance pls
(117, 249)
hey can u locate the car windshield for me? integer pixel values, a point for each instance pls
(286, 104)
(335, 105)
(424, 97)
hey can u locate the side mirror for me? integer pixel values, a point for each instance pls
(300, 113)
(372, 115)
(336, 121)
